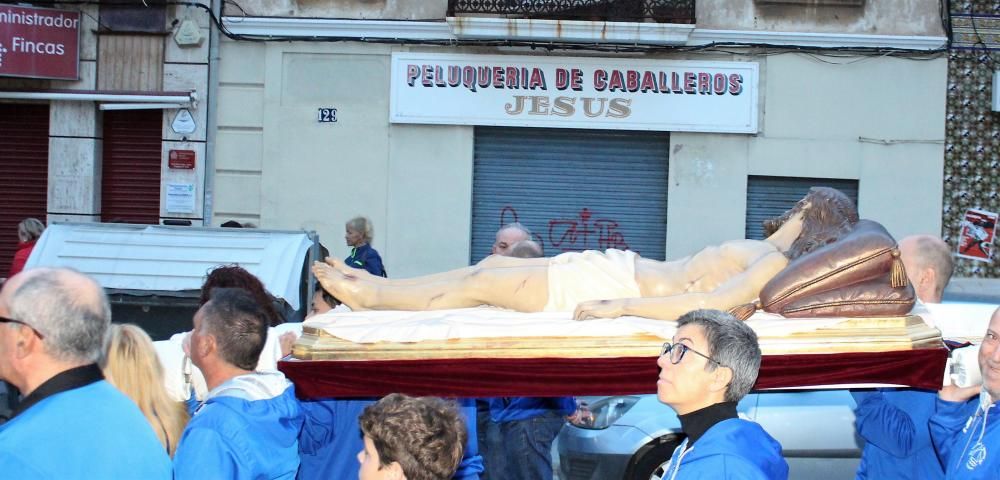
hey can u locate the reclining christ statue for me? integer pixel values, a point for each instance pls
(614, 283)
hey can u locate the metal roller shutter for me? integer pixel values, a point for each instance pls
(130, 183)
(24, 172)
(575, 189)
(769, 197)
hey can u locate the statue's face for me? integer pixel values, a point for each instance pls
(773, 224)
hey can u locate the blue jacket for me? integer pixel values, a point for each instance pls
(93, 431)
(731, 449)
(331, 440)
(247, 427)
(898, 440)
(524, 408)
(367, 258)
(967, 437)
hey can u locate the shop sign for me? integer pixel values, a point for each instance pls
(573, 92)
(39, 42)
(183, 159)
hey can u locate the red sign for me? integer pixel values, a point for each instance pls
(975, 241)
(39, 43)
(181, 159)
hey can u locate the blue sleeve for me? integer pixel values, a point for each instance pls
(374, 263)
(567, 405)
(883, 424)
(946, 426)
(472, 462)
(204, 453)
(15, 467)
(736, 468)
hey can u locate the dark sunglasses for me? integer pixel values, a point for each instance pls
(33, 329)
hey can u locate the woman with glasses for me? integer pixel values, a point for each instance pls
(710, 365)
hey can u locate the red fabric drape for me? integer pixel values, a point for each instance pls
(546, 377)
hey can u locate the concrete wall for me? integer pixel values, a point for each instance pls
(873, 17)
(879, 120)
(281, 168)
(356, 9)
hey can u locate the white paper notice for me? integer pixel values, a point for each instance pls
(180, 197)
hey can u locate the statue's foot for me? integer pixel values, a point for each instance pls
(348, 288)
(347, 270)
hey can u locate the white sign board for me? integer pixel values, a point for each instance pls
(572, 92)
(183, 123)
(180, 198)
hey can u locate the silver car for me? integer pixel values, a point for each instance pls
(629, 437)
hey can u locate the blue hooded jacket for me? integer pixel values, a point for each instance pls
(89, 432)
(247, 428)
(967, 437)
(524, 408)
(898, 441)
(731, 449)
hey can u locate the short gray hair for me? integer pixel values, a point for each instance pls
(527, 249)
(73, 320)
(363, 226)
(30, 229)
(731, 343)
(516, 226)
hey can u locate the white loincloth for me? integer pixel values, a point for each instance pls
(576, 277)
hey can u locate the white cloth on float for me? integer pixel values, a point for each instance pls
(480, 322)
(173, 359)
(576, 277)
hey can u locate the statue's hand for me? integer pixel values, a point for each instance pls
(598, 309)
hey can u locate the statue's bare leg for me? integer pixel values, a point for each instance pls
(520, 288)
(492, 261)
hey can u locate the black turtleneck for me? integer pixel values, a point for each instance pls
(696, 423)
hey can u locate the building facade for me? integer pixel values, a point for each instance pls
(104, 114)
(844, 93)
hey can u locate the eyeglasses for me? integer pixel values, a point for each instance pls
(676, 353)
(19, 322)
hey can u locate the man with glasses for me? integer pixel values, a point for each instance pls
(709, 366)
(71, 423)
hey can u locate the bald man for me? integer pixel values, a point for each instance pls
(929, 265)
(893, 422)
(71, 423)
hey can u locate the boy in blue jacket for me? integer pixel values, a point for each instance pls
(407, 438)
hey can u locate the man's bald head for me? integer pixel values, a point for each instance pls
(929, 265)
(66, 307)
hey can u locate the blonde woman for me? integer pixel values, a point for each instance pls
(132, 366)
